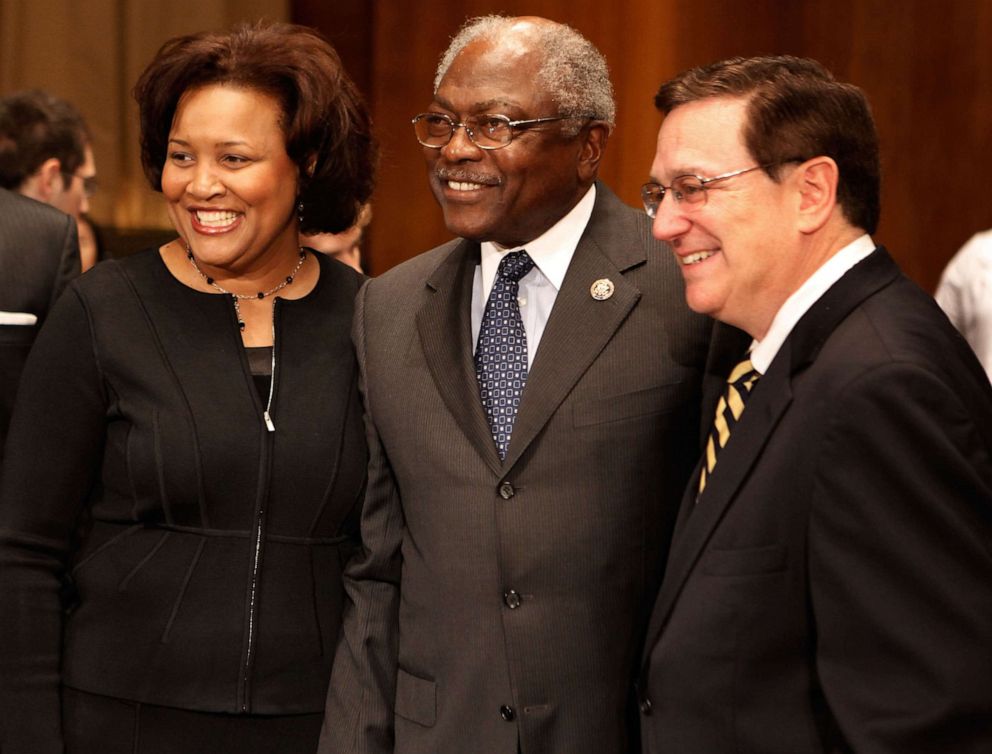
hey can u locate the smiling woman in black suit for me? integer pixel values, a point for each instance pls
(187, 453)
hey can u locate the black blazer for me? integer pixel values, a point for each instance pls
(39, 255)
(199, 554)
(831, 591)
(498, 602)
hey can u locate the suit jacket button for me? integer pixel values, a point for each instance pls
(645, 706)
(506, 491)
(513, 599)
(507, 713)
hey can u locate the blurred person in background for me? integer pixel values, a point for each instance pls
(44, 156)
(45, 151)
(346, 246)
(90, 248)
(965, 295)
(39, 255)
(187, 457)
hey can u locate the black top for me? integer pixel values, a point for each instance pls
(199, 554)
(260, 366)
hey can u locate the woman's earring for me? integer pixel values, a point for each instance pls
(299, 212)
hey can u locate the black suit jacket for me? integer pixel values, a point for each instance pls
(831, 591)
(39, 255)
(504, 604)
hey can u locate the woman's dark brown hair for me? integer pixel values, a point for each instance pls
(325, 121)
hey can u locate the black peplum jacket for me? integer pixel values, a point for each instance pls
(158, 543)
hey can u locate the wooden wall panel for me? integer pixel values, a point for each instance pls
(927, 70)
(924, 65)
(348, 26)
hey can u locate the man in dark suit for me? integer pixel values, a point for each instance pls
(829, 587)
(514, 526)
(45, 155)
(39, 255)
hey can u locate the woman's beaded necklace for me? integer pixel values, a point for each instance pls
(239, 296)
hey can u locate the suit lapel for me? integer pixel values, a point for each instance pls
(580, 326)
(727, 347)
(445, 327)
(769, 401)
(697, 520)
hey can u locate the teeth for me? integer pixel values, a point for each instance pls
(464, 185)
(696, 258)
(215, 218)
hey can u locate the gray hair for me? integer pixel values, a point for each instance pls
(572, 71)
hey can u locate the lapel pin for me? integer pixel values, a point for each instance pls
(602, 289)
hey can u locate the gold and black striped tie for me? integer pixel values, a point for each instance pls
(728, 412)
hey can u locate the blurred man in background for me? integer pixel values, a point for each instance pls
(45, 151)
(965, 295)
(45, 155)
(39, 255)
(345, 246)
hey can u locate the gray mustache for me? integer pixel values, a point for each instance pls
(464, 176)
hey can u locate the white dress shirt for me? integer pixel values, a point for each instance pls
(552, 253)
(965, 295)
(764, 351)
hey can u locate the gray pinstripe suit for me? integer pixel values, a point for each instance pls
(497, 604)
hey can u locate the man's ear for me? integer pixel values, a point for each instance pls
(45, 182)
(51, 180)
(593, 139)
(817, 184)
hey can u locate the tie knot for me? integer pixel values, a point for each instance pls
(744, 375)
(515, 265)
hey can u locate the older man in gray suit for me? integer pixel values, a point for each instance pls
(39, 255)
(531, 393)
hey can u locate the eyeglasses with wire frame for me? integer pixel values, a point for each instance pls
(434, 130)
(687, 189)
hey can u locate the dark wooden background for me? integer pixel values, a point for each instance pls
(925, 65)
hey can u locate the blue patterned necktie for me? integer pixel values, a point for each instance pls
(501, 354)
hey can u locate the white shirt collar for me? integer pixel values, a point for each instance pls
(551, 251)
(764, 351)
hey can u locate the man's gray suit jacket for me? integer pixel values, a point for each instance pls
(39, 255)
(498, 605)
